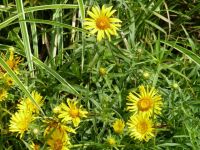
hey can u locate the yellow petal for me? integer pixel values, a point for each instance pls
(92, 14)
(108, 35)
(111, 13)
(114, 20)
(96, 11)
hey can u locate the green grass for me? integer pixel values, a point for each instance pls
(61, 60)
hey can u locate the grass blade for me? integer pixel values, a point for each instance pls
(194, 57)
(25, 35)
(56, 75)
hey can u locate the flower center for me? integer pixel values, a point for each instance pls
(58, 144)
(142, 127)
(74, 112)
(102, 23)
(144, 104)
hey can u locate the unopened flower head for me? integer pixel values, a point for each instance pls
(147, 101)
(102, 71)
(118, 126)
(175, 85)
(140, 127)
(146, 75)
(102, 22)
(111, 141)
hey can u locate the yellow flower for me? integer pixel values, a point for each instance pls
(102, 22)
(28, 105)
(118, 126)
(140, 127)
(72, 112)
(3, 94)
(34, 146)
(20, 122)
(12, 62)
(148, 101)
(111, 141)
(58, 140)
(8, 80)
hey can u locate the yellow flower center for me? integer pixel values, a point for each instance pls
(74, 112)
(142, 127)
(58, 144)
(144, 104)
(103, 23)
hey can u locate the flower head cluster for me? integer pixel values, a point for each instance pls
(71, 112)
(102, 22)
(21, 120)
(6, 82)
(144, 105)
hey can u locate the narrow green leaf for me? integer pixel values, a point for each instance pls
(56, 75)
(194, 57)
(54, 23)
(156, 26)
(25, 36)
(36, 8)
(82, 9)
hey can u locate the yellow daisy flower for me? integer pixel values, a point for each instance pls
(20, 122)
(72, 112)
(118, 126)
(140, 127)
(102, 23)
(58, 140)
(3, 94)
(148, 101)
(28, 105)
(13, 62)
(8, 81)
